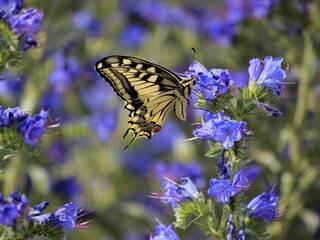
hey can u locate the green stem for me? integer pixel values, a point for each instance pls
(13, 174)
(224, 220)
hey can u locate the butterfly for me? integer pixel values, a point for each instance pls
(148, 90)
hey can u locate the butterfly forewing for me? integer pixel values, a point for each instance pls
(149, 91)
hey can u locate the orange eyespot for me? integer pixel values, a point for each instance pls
(156, 129)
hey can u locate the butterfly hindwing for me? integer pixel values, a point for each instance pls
(148, 90)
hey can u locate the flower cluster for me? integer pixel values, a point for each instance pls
(266, 79)
(213, 83)
(221, 128)
(267, 74)
(12, 208)
(164, 232)
(30, 127)
(221, 28)
(174, 193)
(16, 207)
(26, 23)
(65, 216)
(223, 188)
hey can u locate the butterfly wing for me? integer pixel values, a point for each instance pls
(148, 89)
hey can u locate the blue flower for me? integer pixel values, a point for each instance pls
(65, 216)
(52, 100)
(133, 36)
(221, 129)
(272, 111)
(224, 169)
(12, 208)
(4, 120)
(10, 7)
(67, 187)
(263, 207)
(19, 200)
(33, 127)
(213, 83)
(37, 210)
(57, 152)
(8, 214)
(66, 71)
(244, 178)
(15, 115)
(242, 233)
(174, 194)
(96, 95)
(222, 190)
(85, 21)
(232, 228)
(164, 232)
(241, 78)
(221, 31)
(269, 74)
(27, 23)
(104, 124)
(260, 9)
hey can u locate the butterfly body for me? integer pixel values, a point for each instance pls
(148, 90)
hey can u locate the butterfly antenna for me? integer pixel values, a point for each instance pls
(194, 53)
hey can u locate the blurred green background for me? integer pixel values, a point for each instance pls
(84, 161)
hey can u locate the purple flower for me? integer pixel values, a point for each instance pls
(85, 21)
(272, 111)
(238, 10)
(8, 214)
(232, 228)
(104, 124)
(67, 187)
(164, 232)
(96, 95)
(19, 200)
(260, 9)
(10, 7)
(37, 210)
(12, 208)
(213, 83)
(222, 190)
(27, 23)
(242, 233)
(224, 169)
(173, 193)
(4, 120)
(133, 36)
(57, 152)
(66, 72)
(33, 127)
(244, 178)
(65, 216)
(221, 129)
(263, 207)
(269, 74)
(52, 100)
(15, 115)
(241, 78)
(221, 31)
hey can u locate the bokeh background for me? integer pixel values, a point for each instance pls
(84, 159)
